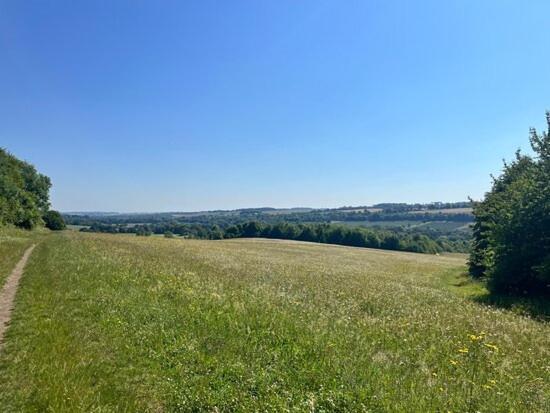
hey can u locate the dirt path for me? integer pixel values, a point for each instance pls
(7, 295)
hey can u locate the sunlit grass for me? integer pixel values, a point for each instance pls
(13, 243)
(115, 323)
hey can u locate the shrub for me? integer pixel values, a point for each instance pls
(24, 193)
(54, 221)
(511, 244)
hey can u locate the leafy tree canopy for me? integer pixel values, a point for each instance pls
(54, 221)
(24, 193)
(512, 224)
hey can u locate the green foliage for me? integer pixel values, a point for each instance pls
(428, 228)
(143, 232)
(397, 239)
(24, 193)
(512, 224)
(383, 215)
(216, 232)
(344, 235)
(54, 221)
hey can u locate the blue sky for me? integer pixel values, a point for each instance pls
(191, 105)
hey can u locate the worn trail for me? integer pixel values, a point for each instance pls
(7, 295)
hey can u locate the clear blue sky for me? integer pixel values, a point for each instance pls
(188, 105)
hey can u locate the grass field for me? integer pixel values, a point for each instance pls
(447, 226)
(108, 323)
(444, 211)
(13, 242)
(381, 224)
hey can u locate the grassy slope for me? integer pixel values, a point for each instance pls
(114, 323)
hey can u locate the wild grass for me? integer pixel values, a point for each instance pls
(13, 243)
(114, 323)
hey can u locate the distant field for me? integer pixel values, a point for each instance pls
(439, 225)
(120, 324)
(77, 227)
(446, 225)
(288, 211)
(382, 224)
(373, 210)
(444, 211)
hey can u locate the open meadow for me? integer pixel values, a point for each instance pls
(109, 323)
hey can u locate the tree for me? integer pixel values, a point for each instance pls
(372, 240)
(391, 242)
(355, 238)
(251, 229)
(216, 232)
(24, 193)
(143, 231)
(336, 235)
(511, 246)
(54, 221)
(307, 233)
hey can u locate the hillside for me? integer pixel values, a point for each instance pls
(122, 323)
(429, 228)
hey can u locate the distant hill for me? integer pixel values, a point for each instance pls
(434, 207)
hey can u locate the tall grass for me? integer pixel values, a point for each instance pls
(13, 242)
(114, 323)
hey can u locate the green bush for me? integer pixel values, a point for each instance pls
(54, 221)
(511, 245)
(24, 193)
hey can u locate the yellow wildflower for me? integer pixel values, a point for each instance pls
(463, 350)
(473, 337)
(491, 346)
(454, 363)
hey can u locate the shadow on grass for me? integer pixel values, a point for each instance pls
(537, 308)
(460, 282)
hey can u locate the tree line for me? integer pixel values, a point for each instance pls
(398, 240)
(348, 236)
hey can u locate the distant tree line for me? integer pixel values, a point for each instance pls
(349, 236)
(182, 230)
(24, 195)
(511, 246)
(399, 240)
